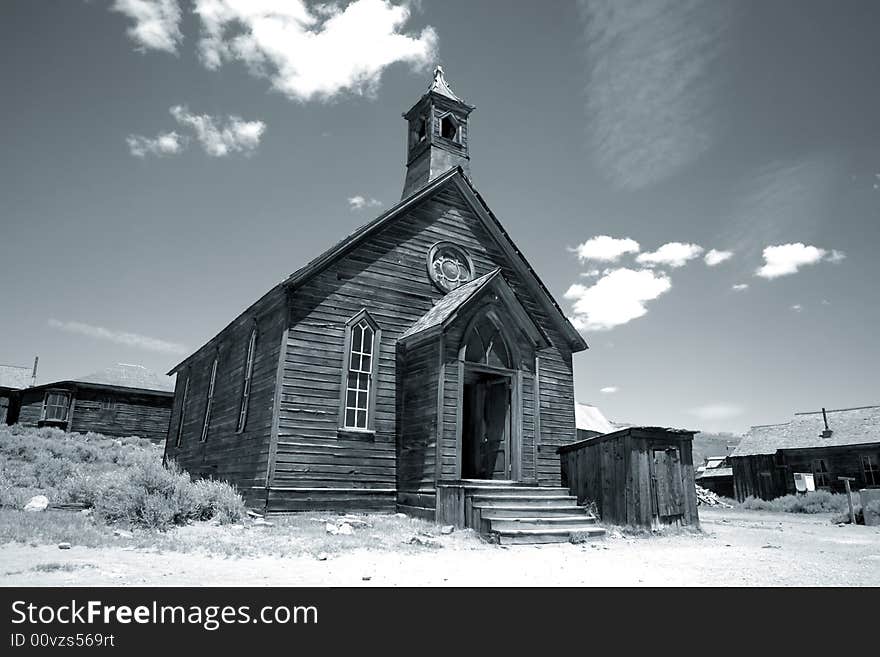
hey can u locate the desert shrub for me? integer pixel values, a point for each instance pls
(153, 496)
(843, 517)
(820, 501)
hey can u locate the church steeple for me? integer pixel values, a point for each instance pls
(438, 134)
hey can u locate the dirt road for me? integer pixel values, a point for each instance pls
(735, 548)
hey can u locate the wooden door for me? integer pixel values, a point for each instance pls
(496, 429)
(668, 486)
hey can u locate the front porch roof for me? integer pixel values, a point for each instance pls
(445, 311)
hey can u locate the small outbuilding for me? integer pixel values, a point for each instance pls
(637, 476)
(716, 475)
(123, 400)
(12, 380)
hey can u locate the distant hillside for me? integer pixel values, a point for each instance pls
(713, 444)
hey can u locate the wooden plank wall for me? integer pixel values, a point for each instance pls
(748, 480)
(417, 465)
(387, 275)
(146, 416)
(239, 458)
(617, 474)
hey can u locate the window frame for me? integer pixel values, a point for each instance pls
(247, 379)
(44, 410)
(181, 417)
(824, 472)
(372, 374)
(870, 466)
(209, 402)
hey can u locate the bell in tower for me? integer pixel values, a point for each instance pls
(438, 134)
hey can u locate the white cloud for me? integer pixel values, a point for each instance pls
(785, 259)
(120, 337)
(652, 84)
(156, 23)
(671, 254)
(716, 257)
(718, 411)
(220, 137)
(165, 143)
(609, 390)
(360, 202)
(312, 52)
(739, 287)
(616, 298)
(603, 248)
(836, 256)
(797, 307)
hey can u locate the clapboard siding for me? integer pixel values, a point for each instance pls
(110, 410)
(240, 458)
(386, 274)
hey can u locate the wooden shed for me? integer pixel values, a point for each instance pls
(637, 476)
(13, 380)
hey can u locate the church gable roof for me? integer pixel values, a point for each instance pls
(455, 177)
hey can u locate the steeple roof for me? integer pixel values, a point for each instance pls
(439, 85)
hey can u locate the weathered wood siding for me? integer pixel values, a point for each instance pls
(242, 457)
(387, 275)
(748, 480)
(618, 473)
(111, 412)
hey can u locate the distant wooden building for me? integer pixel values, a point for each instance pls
(13, 380)
(125, 400)
(637, 476)
(716, 475)
(420, 350)
(828, 444)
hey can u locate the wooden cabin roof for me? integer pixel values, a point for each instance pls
(125, 375)
(14, 377)
(849, 426)
(454, 176)
(636, 431)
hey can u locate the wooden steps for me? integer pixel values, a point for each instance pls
(511, 513)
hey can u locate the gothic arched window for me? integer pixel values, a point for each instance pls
(485, 345)
(362, 343)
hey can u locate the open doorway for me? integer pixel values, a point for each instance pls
(486, 426)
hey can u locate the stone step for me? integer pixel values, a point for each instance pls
(518, 491)
(572, 523)
(537, 536)
(507, 510)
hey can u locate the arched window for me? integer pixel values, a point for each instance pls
(485, 345)
(246, 384)
(362, 342)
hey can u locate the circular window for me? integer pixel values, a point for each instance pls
(449, 266)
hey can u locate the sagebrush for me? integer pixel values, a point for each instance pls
(121, 479)
(819, 501)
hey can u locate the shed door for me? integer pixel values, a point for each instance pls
(668, 487)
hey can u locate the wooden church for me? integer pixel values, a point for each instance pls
(418, 365)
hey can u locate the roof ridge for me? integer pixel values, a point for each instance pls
(837, 410)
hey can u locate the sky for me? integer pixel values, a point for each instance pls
(697, 182)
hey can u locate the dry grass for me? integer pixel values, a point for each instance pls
(297, 534)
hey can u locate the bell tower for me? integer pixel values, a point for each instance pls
(437, 134)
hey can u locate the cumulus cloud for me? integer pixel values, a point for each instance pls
(313, 52)
(717, 411)
(609, 390)
(716, 257)
(671, 254)
(220, 137)
(604, 248)
(119, 337)
(165, 143)
(618, 297)
(836, 256)
(652, 84)
(797, 307)
(786, 259)
(360, 202)
(156, 23)
(739, 287)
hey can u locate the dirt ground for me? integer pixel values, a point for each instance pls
(735, 548)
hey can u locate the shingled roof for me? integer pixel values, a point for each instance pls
(130, 376)
(849, 426)
(448, 305)
(12, 376)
